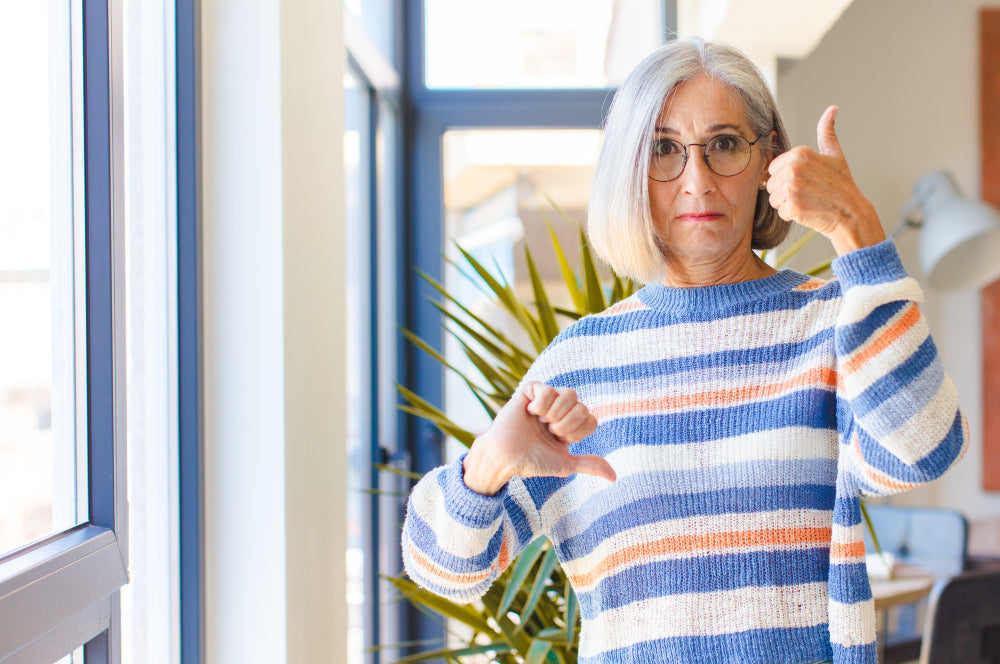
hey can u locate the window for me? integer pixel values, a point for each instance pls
(373, 120)
(62, 276)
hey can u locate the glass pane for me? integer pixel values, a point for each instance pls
(356, 162)
(389, 525)
(38, 340)
(76, 657)
(379, 20)
(530, 44)
(497, 190)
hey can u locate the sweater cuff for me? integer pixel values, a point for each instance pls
(869, 266)
(465, 505)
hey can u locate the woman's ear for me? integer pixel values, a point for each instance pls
(769, 153)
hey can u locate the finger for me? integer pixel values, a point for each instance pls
(591, 464)
(564, 402)
(540, 398)
(576, 425)
(826, 135)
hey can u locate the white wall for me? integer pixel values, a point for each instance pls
(905, 75)
(273, 186)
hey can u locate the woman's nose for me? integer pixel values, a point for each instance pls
(697, 178)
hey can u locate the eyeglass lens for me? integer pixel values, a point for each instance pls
(726, 155)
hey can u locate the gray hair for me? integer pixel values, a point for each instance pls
(619, 223)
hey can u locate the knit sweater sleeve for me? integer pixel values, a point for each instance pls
(455, 541)
(898, 416)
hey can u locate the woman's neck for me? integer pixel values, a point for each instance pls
(732, 269)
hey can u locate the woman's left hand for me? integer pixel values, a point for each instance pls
(818, 191)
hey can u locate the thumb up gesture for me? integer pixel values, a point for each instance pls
(816, 189)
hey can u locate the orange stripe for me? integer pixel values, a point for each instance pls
(434, 570)
(686, 543)
(841, 550)
(908, 320)
(504, 559)
(877, 476)
(622, 307)
(821, 375)
(811, 285)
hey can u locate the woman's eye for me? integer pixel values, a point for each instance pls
(726, 143)
(665, 146)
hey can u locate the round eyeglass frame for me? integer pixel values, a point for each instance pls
(704, 156)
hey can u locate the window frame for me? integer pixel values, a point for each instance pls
(190, 412)
(62, 592)
(381, 81)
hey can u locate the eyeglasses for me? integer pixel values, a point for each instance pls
(726, 155)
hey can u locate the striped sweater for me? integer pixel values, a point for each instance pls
(744, 422)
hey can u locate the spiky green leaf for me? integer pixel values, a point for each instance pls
(594, 291)
(545, 315)
(519, 572)
(569, 276)
(463, 613)
(541, 579)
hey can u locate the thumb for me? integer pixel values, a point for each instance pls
(591, 464)
(826, 136)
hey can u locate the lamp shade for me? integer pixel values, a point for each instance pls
(959, 238)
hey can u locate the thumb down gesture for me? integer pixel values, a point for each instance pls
(816, 190)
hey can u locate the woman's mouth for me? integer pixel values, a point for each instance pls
(699, 216)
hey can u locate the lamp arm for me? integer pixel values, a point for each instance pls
(912, 215)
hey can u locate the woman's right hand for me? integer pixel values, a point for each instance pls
(530, 437)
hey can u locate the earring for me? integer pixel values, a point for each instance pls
(763, 185)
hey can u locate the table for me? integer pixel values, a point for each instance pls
(909, 584)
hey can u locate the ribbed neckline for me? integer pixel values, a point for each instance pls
(721, 297)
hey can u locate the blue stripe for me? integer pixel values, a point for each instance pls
(847, 511)
(757, 473)
(758, 646)
(812, 408)
(920, 374)
(926, 469)
(706, 574)
(464, 505)
(750, 500)
(644, 319)
(520, 523)
(849, 583)
(541, 488)
(866, 654)
(776, 354)
(851, 337)
(420, 533)
(877, 264)
(909, 402)
(429, 583)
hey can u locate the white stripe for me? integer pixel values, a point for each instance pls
(787, 444)
(706, 614)
(921, 434)
(886, 360)
(852, 624)
(429, 503)
(646, 345)
(862, 299)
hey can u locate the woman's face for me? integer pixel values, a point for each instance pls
(702, 217)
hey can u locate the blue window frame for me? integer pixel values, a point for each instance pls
(190, 473)
(71, 579)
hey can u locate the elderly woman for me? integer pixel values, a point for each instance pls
(697, 452)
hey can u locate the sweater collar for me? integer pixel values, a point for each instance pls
(721, 297)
